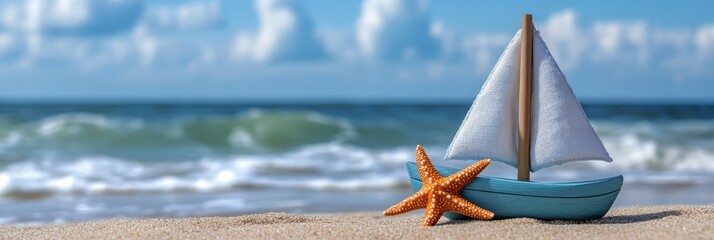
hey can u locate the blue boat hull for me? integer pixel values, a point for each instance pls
(508, 198)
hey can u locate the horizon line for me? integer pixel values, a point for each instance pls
(318, 101)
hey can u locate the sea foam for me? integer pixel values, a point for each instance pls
(101, 154)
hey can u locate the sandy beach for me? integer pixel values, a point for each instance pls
(658, 222)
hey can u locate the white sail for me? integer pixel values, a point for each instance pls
(560, 132)
(490, 128)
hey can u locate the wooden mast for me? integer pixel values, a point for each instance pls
(525, 98)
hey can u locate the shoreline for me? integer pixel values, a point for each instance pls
(683, 221)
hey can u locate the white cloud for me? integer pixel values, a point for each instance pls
(340, 44)
(64, 33)
(397, 29)
(67, 33)
(146, 46)
(704, 40)
(620, 44)
(570, 43)
(564, 38)
(49, 33)
(484, 49)
(625, 40)
(87, 17)
(690, 53)
(285, 34)
(186, 16)
(156, 51)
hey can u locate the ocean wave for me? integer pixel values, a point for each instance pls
(660, 146)
(99, 154)
(248, 132)
(75, 135)
(317, 167)
(320, 167)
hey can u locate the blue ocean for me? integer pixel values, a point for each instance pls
(78, 162)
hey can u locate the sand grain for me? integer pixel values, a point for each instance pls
(688, 222)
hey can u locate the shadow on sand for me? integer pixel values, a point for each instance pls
(622, 219)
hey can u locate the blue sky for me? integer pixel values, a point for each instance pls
(323, 50)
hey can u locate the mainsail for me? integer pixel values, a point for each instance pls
(560, 130)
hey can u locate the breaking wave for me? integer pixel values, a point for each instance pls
(317, 167)
(103, 154)
(251, 131)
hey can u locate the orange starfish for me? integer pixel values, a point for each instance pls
(441, 194)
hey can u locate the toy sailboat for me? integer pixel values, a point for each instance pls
(527, 116)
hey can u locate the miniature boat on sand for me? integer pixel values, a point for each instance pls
(527, 116)
(508, 198)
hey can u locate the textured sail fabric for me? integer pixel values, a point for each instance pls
(490, 128)
(560, 132)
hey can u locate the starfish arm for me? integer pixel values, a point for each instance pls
(439, 194)
(464, 207)
(459, 180)
(427, 171)
(432, 214)
(416, 201)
